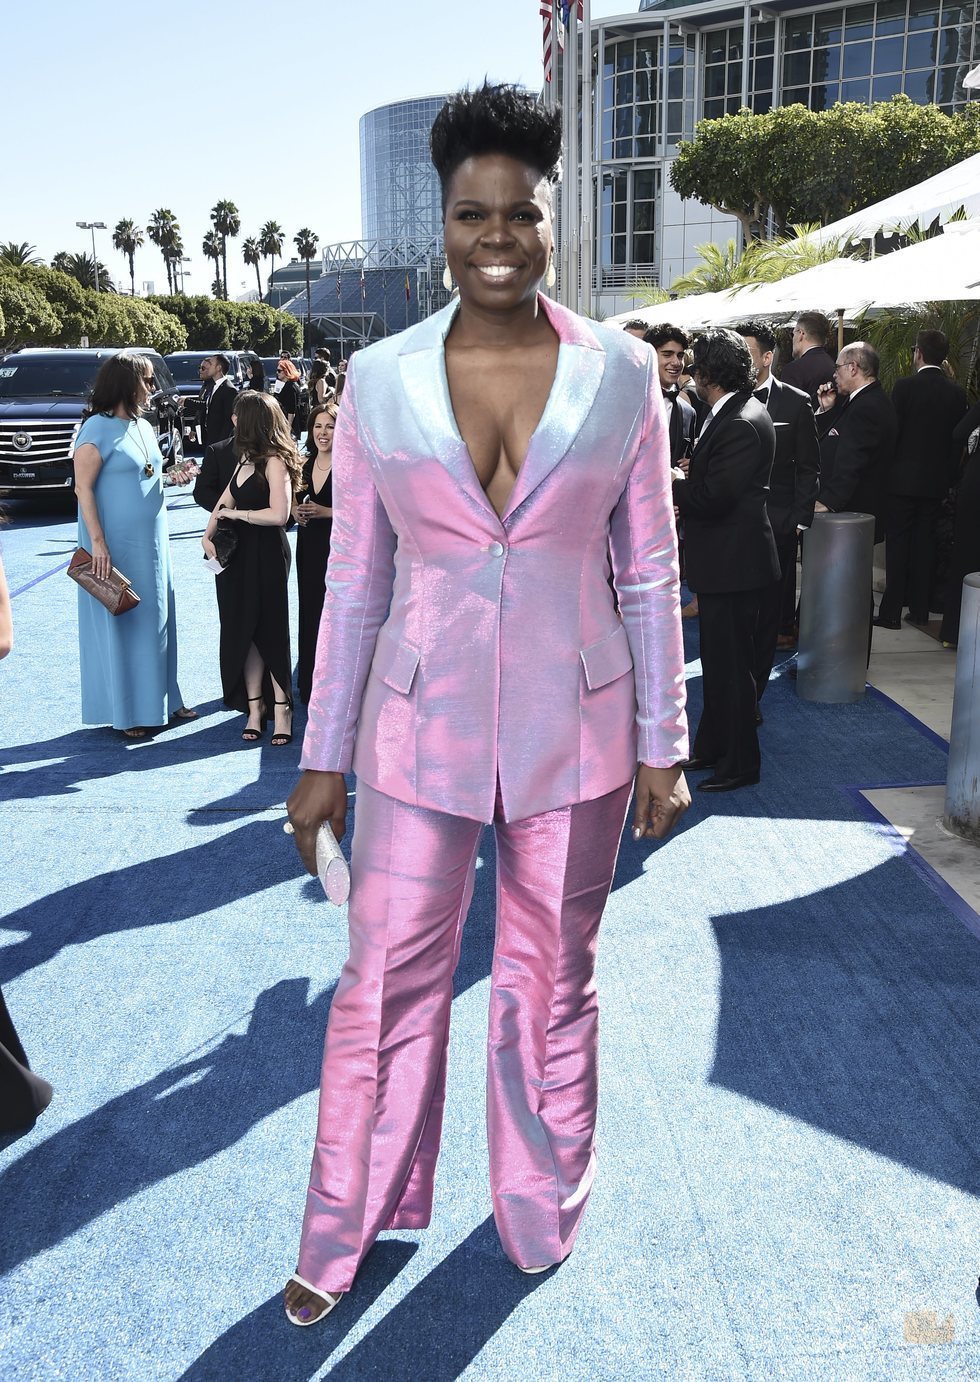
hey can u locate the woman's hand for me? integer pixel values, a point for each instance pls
(297, 511)
(308, 510)
(230, 513)
(317, 797)
(661, 798)
(101, 559)
(208, 546)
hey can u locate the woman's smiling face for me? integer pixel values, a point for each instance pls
(323, 432)
(498, 231)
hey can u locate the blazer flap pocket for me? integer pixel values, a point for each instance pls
(608, 659)
(395, 663)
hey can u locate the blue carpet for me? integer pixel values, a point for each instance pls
(790, 1064)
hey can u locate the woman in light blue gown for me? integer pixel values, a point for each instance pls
(128, 661)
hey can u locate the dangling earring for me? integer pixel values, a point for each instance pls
(447, 278)
(551, 277)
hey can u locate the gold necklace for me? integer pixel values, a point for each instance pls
(149, 470)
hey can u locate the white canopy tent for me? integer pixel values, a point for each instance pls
(939, 197)
(945, 268)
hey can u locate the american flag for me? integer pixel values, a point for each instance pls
(363, 286)
(564, 15)
(339, 294)
(408, 289)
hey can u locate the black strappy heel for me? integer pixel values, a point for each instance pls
(279, 740)
(252, 736)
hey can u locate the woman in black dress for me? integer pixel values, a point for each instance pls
(313, 512)
(253, 599)
(966, 533)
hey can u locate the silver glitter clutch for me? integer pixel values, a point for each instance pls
(332, 866)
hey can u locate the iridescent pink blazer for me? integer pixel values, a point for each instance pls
(458, 649)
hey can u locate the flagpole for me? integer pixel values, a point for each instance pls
(587, 200)
(568, 176)
(574, 299)
(340, 314)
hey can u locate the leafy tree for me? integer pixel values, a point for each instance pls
(124, 321)
(127, 238)
(164, 231)
(19, 255)
(71, 303)
(252, 254)
(799, 165)
(211, 249)
(27, 318)
(216, 324)
(227, 223)
(272, 237)
(82, 268)
(305, 241)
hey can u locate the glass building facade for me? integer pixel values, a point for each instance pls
(399, 188)
(661, 70)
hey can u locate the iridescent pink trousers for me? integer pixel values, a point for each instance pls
(382, 1090)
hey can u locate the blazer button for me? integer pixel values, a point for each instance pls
(496, 549)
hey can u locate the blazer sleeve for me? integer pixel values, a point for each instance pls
(715, 489)
(807, 458)
(643, 548)
(208, 488)
(359, 582)
(855, 454)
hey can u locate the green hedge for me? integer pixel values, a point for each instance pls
(212, 324)
(42, 307)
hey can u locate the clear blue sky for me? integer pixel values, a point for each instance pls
(114, 109)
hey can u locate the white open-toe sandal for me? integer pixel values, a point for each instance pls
(330, 1299)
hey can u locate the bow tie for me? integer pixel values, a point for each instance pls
(762, 395)
(669, 394)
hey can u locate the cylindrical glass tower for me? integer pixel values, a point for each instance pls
(399, 187)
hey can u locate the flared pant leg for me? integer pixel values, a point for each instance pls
(554, 875)
(382, 1089)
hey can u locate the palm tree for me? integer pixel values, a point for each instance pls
(252, 254)
(127, 238)
(17, 256)
(227, 222)
(81, 267)
(211, 248)
(719, 269)
(163, 230)
(305, 241)
(271, 240)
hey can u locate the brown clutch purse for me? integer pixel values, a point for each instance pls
(115, 593)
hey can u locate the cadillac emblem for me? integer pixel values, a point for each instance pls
(23, 441)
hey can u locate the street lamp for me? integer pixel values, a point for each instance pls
(93, 226)
(184, 260)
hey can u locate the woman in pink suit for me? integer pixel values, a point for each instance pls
(472, 668)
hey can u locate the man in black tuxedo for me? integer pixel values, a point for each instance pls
(812, 364)
(928, 407)
(217, 468)
(792, 488)
(731, 554)
(857, 427)
(217, 400)
(671, 344)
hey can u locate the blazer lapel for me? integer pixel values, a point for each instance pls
(581, 362)
(422, 364)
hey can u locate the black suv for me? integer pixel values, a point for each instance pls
(43, 395)
(185, 366)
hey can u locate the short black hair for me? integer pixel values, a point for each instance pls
(222, 360)
(933, 346)
(764, 333)
(500, 119)
(635, 324)
(660, 335)
(815, 326)
(722, 358)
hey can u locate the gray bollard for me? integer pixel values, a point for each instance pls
(961, 814)
(835, 607)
